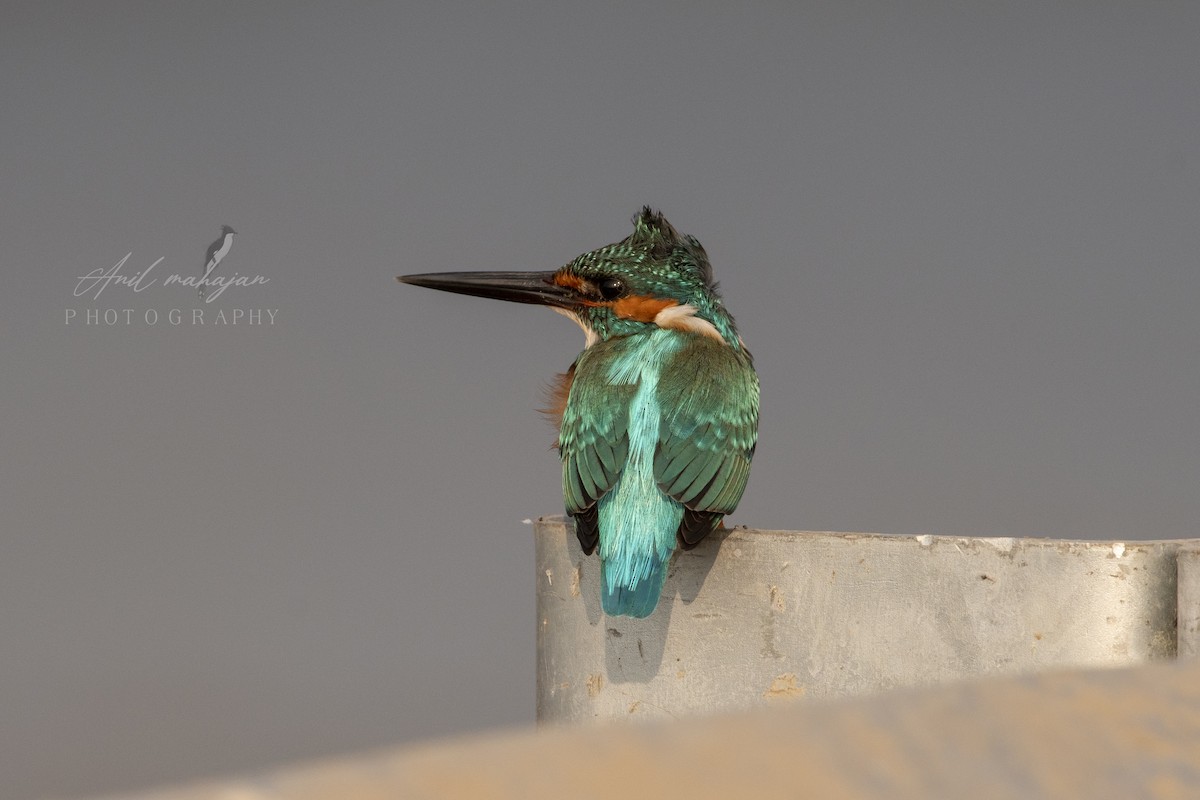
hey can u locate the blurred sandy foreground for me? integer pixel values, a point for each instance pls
(1131, 733)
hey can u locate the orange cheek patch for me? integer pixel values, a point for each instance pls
(566, 279)
(569, 280)
(642, 309)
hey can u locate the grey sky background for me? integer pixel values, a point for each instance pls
(960, 240)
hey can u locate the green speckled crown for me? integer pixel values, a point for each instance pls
(655, 261)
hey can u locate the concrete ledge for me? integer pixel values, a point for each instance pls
(752, 618)
(766, 618)
(1101, 734)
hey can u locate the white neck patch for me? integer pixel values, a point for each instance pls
(683, 318)
(590, 337)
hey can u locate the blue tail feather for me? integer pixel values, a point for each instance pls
(638, 600)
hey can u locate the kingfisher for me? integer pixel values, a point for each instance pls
(216, 251)
(657, 417)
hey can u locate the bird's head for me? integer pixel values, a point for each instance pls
(653, 278)
(225, 229)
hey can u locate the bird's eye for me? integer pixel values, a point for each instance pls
(610, 288)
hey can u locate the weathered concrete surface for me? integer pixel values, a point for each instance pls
(752, 617)
(1189, 603)
(1101, 734)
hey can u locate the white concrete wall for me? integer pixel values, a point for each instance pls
(752, 617)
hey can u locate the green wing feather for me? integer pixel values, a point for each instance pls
(709, 396)
(708, 393)
(593, 442)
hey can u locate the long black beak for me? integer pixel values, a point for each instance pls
(516, 287)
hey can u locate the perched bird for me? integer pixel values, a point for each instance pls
(216, 251)
(658, 416)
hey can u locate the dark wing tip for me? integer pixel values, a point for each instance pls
(695, 525)
(587, 528)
